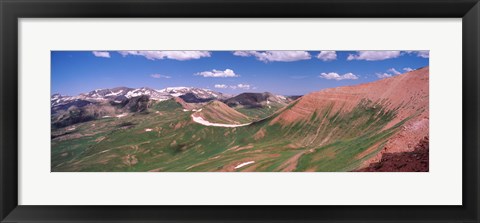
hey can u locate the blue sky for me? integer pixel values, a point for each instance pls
(232, 72)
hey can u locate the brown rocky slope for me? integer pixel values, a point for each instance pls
(406, 94)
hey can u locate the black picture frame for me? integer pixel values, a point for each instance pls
(12, 10)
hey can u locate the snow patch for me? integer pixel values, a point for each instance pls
(244, 164)
(114, 93)
(204, 122)
(133, 93)
(122, 115)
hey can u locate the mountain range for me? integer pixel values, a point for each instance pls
(188, 94)
(122, 93)
(366, 127)
(110, 102)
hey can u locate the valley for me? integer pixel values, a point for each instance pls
(181, 129)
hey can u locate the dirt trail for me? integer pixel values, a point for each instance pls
(291, 163)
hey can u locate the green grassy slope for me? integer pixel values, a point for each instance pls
(166, 139)
(260, 112)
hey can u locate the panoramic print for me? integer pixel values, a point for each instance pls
(239, 111)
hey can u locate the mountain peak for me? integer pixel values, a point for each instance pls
(252, 100)
(218, 112)
(381, 106)
(411, 87)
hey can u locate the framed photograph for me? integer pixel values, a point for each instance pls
(227, 111)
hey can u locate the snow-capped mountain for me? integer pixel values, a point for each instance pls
(154, 94)
(97, 95)
(105, 94)
(192, 94)
(60, 102)
(119, 94)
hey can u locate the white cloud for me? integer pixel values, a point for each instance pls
(159, 76)
(243, 86)
(244, 53)
(275, 56)
(240, 86)
(423, 54)
(327, 55)
(374, 55)
(395, 72)
(173, 55)
(104, 54)
(338, 77)
(390, 72)
(383, 75)
(221, 86)
(407, 69)
(217, 73)
(420, 53)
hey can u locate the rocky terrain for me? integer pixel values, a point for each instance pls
(414, 161)
(398, 103)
